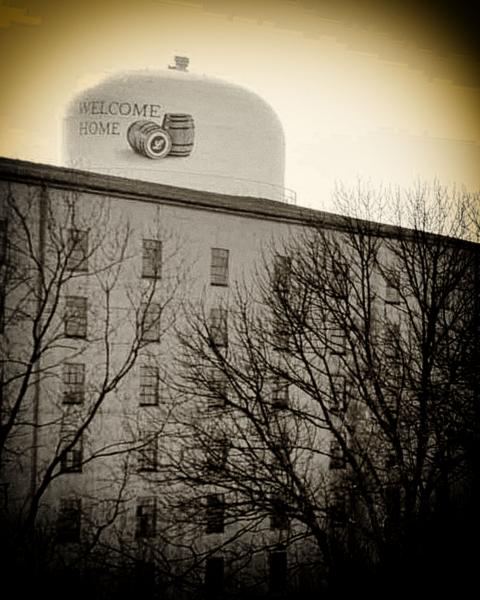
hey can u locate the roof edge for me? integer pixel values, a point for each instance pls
(60, 177)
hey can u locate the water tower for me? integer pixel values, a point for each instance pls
(177, 128)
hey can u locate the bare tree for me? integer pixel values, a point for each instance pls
(331, 408)
(84, 306)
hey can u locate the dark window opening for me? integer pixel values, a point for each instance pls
(219, 267)
(148, 385)
(277, 563)
(279, 517)
(152, 259)
(146, 517)
(215, 513)
(151, 322)
(280, 394)
(77, 249)
(218, 326)
(69, 520)
(72, 460)
(73, 376)
(75, 317)
(148, 453)
(214, 576)
(337, 455)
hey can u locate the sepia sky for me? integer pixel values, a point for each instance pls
(388, 92)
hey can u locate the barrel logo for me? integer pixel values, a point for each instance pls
(175, 137)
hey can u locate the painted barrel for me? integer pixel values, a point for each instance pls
(149, 139)
(182, 131)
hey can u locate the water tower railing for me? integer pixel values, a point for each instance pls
(222, 184)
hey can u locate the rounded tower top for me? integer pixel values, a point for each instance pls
(178, 128)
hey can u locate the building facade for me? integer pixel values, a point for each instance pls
(156, 419)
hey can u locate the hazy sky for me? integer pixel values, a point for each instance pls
(373, 90)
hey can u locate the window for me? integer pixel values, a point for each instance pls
(337, 510)
(2, 384)
(280, 394)
(73, 383)
(69, 520)
(337, 456)
(76, 317)
(281, 448)
(217, 454)
(72, 460)
(277, 570)
(2, 303)
(392, 502)
(148, 385)
(392, 293)
(340, 278)
(392, 346)
(151, 322)
(218, 327)
(393, 319)
(393, 330)
(3, 240)
(214, 576)
(146, 517)
(148, 453)
(152, 259)
(279, 516)
(219, 267)
(77, 250)
(145, 578)
(215, 513)
(218, 390)
(337, 403)
(281, 335)
(281, 272)
(336, 340)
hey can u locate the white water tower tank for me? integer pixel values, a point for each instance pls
(179, 129)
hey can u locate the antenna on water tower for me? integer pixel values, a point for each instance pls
(181, 63)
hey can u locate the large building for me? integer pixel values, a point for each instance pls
(195, 375)
(202, 244)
